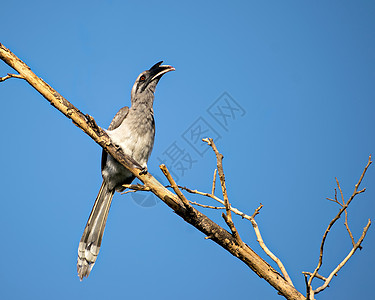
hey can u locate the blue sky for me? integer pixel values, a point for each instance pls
(301, 76)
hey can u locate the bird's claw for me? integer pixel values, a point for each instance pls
(143, 171)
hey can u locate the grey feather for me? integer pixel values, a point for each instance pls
(91, 240)
(115, 123)
(119, 118)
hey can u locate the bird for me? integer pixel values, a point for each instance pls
(133, 130)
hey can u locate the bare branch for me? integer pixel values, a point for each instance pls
(207, 206)
(11, 76)
(174, 186)
(346, 211)
(317, 275)
(348, 229)
(214, 183)
(265, 248)
(309, 291)
(333, 221)
(135, 188)
(339, 187)
(335, 200)
(235, 210)
(334, 272)
(256, 212)
(254, 224)
(361, 178)
(228, 216)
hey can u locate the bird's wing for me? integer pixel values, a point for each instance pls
(116, 122)
(118, 118)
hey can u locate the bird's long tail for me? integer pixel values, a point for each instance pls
(89, 245)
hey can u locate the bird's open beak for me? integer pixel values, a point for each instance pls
(159, 70)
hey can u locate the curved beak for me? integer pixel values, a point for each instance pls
(159, 70)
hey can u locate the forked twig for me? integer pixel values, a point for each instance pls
(174, 186)
(135, 188)
(233, 209)
(317, 275)
(9, 75)
(346, 214)
(228, 216)
(229, 209)
(334, 272)
(344, 205)
(265, 248)
(247, 217)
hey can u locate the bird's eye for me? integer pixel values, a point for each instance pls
(142, 78)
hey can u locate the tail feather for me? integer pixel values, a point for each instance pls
(91, 240)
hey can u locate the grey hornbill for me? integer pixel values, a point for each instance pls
(132, 129)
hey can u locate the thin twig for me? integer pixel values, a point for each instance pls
(309, 291)
(129, 191)
(348, 229)
(334, 272)
(228, 216)
(317, 275)
(346, 213)
(138, 187)
(339, 187)
(214, 183)
(335, 200)
(256, 228)
(265, 248)
(174, 186)
(206, 206)
(333, 221)
(233, 209)
(135, 188)
(256, 212)
(9, 75)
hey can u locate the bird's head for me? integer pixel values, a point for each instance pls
(146, 82)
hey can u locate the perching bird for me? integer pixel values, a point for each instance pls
(132, 129)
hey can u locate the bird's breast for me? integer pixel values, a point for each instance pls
(135, 136)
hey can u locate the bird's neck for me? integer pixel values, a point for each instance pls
(143, 103)
(141, 107)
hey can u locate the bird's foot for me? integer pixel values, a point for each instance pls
(143, 171)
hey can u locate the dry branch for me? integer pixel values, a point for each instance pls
(11, 76)
(265, 248)
(214, 183)
(344, 205)
(194, 217)
(228, 216)
(174, 186)
(346, 213)
(135, 188)
(317, 275)
(334, 272)
(253, 223)
(207, 206)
